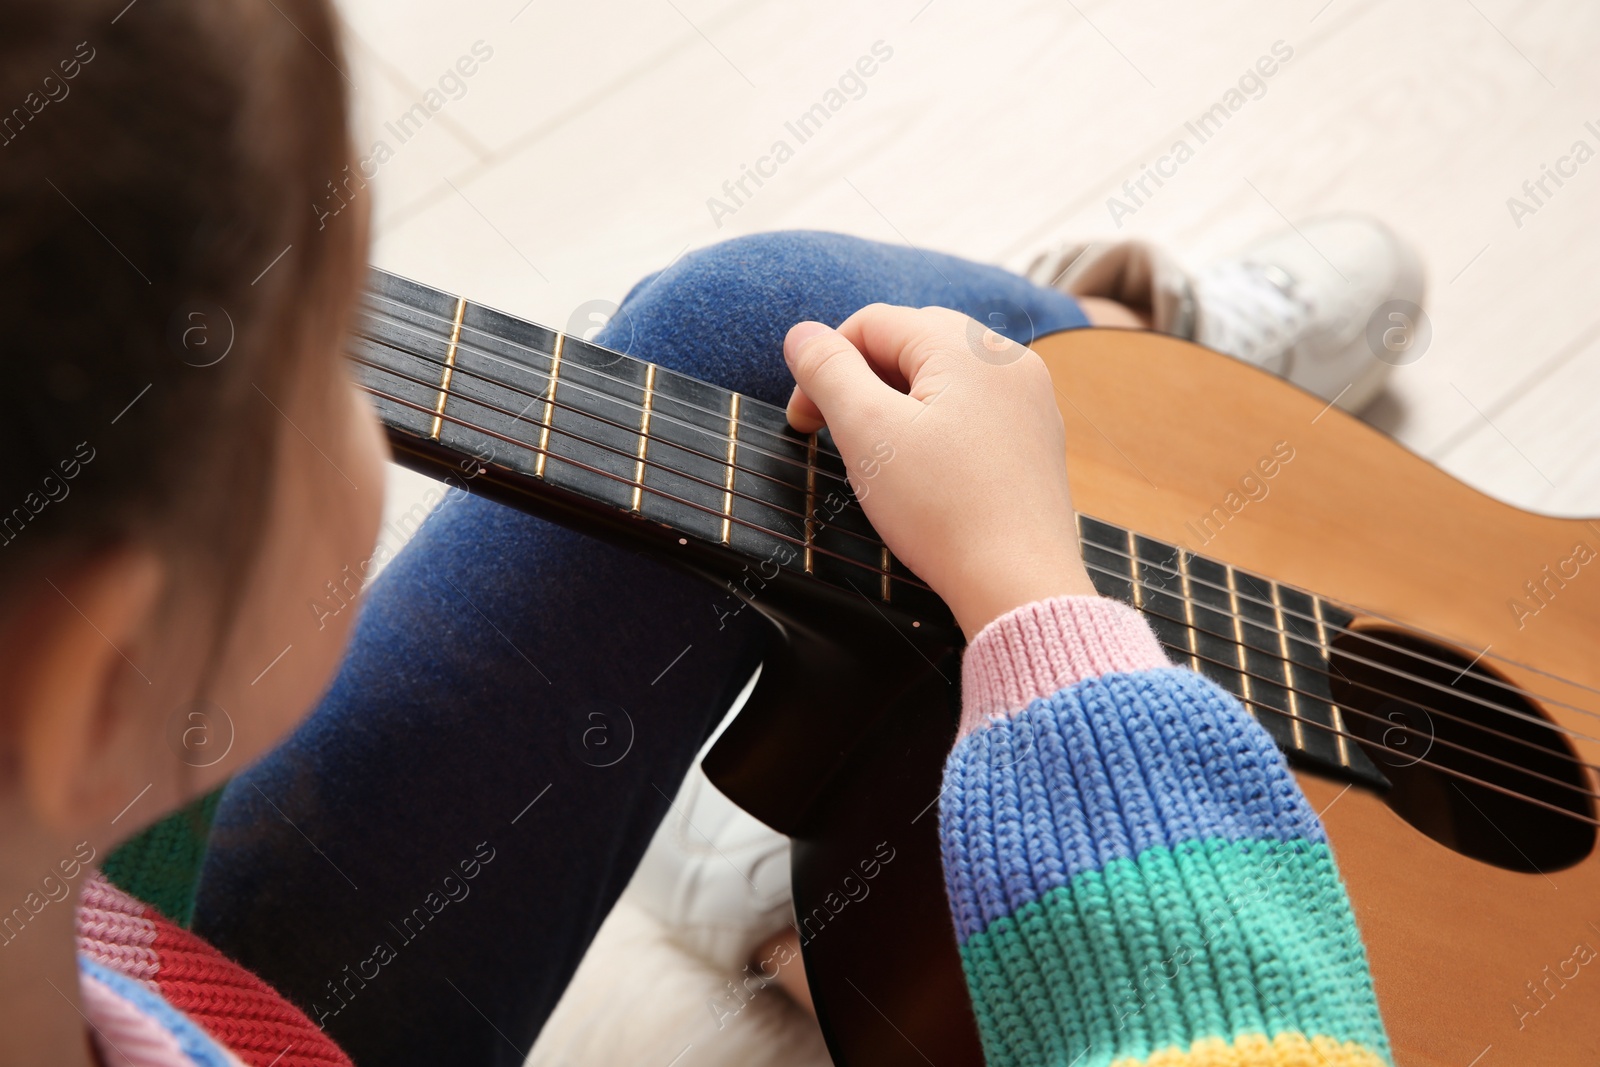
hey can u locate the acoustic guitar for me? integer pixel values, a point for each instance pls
(1425, 656)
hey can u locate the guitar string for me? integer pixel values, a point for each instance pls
(657, 415)
(571, 383)
(1326, 651)
(448, 323)
(1362, 635)
(1185, 653)
(631, 430)
(1326, 728)
(632, 457)
(1492, 657)
(1234, 668)
(448, 326)
(1428, 709)
(1384, 668)
(875, 569)
(1391, 725)
(1258, 624)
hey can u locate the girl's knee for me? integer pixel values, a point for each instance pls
(802, 259)
(721, 312)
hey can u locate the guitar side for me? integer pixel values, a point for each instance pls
(1162, 437)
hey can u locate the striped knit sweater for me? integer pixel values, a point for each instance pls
(1135, 879)
(1135, 876)
(158, 996)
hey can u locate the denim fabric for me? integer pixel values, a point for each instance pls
(383, 868)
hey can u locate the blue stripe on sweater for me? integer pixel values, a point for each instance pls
(199, 1046)
(1105, 770)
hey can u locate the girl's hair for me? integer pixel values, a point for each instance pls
(163, 271)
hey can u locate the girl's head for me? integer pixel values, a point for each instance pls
(184, 464)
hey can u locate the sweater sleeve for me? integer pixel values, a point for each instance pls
(1135, 876)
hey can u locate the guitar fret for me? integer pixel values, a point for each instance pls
(449, 369)
(1188, 608)
(885, 579)
(1342, 736)
(549, 407)
(1238, 636)
(1099, 543)
(1159, 571)
(644, 435)
(811, 498)
(1133, 572)
(733, 448)
(1295, 723)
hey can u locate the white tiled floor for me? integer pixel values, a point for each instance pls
(582, 152)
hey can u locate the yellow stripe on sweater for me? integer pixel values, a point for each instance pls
(1288, 1049)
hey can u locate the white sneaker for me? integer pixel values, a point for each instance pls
(1301, 304)
(713, 876)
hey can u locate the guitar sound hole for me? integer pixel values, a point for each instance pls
(1474, 763)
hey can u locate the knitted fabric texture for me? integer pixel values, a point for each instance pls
(132, 1025)
(161, 866)
(241, 1012)
(1134, 875)
(1044, 647)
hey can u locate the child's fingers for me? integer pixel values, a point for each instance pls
(832, 375)
(896, 343)
(899, 341)
(803, 414)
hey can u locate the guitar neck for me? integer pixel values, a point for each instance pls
(663, 462)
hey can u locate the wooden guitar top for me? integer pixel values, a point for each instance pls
(1470, 960)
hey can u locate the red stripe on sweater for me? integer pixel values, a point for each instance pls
(242, 1012)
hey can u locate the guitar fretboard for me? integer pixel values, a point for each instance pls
(1268, 644)
(726, 470)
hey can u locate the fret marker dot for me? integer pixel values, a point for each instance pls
(683, 540)
(915, 623)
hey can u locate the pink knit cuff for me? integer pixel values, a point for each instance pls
(1041, 648)
(114, 931)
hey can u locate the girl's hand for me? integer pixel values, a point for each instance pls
(952, 439)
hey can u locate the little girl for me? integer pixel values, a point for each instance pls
(413, 874)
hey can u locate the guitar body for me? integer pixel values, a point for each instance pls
(1453, 943)
(1466, 955)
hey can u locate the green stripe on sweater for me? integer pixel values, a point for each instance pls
(161, 865)
(1209, 939)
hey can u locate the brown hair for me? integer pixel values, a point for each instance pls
(158, 165)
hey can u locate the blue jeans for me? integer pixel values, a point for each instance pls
(423, 863)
